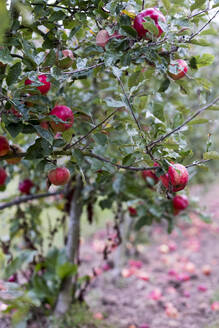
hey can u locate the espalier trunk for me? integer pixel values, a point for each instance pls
(66, 291)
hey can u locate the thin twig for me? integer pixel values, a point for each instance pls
(196, 163)
(119, 166)
(133, 114)
(25, 199)
(78, 70)
(142, 7)
(200, 12)
(94, 128)
(190, 118)
(203, 27)
(129, 104)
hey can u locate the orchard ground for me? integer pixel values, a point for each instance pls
(179, 291)
(167, 285)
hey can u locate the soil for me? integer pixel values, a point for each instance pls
(174, 282)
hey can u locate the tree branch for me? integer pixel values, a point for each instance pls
(203, 27)
(196, 163)
(25, 199)
(94, 128)
(130, 168)
(200, 12)
(78, 70)
(133, 114)
(190, 118)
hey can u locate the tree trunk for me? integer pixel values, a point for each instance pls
(65, 295)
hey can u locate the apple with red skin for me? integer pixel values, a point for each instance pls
(25, 186)
(154, 14)
(14, 149)
(64, 113)
(132, 211)
(3, 176)
(180, 203)
(176, 178)
(181, 67)
(42, 88)
(150, 174)
(59, 176)
(4, 146)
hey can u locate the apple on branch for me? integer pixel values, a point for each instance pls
(59, 176)
(4, 146)
(42, 88)
(176, 178)
(3, 176)
(177, 69)
(155, 15)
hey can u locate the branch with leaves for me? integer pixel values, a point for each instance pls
(190, 118)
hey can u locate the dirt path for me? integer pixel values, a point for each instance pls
(174, 283)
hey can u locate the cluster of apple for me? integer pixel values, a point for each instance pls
(57, 176)
(174, 180)
(177, 68)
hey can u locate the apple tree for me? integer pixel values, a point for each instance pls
(97, 98)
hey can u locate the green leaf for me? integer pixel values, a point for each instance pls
(164, 85)
(198, 121)
(198, 4)
(166, 4)
(44, 133)
(201, 42)
(100, 138)
(24, 258)
(200, 61)
(4, 19)
(150, 26)
(13, 74)
(116, 71)
(41, 148)
(129, 30)
(5, 57)
(211, 155)
(66, 269)
(144, 220)
(14, 129)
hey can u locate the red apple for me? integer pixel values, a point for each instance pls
(176, 178)
(59, 176)
(4, 146)
(154, 14)
(25, 186)
(3, 176)
(179, 66)
(132, 211)
(180, 203)
(43, 88)
(150, 174)
(14, 149)
(64, 113)
(102, 38)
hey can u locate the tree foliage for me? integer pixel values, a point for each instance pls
(128, 113)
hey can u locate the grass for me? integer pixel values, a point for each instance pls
(78, 316)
